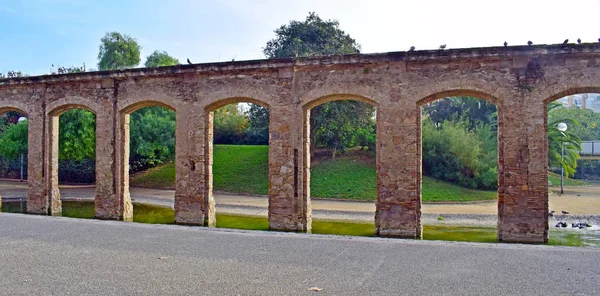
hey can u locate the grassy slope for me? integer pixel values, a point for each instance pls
(555, 179)
(244, 169)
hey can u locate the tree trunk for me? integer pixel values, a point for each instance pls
(334, 151)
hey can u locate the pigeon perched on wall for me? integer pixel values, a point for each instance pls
(578, 40)
(188, 60)
(412, 48)
(565, 212)
(442, 46)
(505, 44)
(566, 41)
(529, 43)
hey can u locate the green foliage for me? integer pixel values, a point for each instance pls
(162, 176)
(77, 135)
(588, 127)
(241, 168)
(472, 109)
(258, 130)
(13, 141)
(556, 140)
(152, 137)
(77, 171)
(118, 51)
(453, 152)
(159, 59)
(344, 124)
(313, 37)
(229, 125)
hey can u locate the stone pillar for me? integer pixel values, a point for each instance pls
(303, 159)
(194, 202)
(108, 204)
(523, 172)
(124, 208)
(286, 209)
(398, 209)
(51, 166)
(37, 194)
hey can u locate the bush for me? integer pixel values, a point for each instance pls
(77, 171)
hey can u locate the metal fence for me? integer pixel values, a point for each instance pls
(591, 148)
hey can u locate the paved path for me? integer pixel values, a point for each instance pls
(65, 256)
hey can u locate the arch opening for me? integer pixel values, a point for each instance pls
(14, 158)
(572, 124)
(459, 151)
(340, 161)
(237, 154)
(148, 157)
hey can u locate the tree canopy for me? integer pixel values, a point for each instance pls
(118, 51)
(159, 59)
(312, 37)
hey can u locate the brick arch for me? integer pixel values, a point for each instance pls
(460, 93)
(138, 98)
(232, 100)
(145, 103)
(572, 91)
(5, 109)
(330, 93)
(58, 107)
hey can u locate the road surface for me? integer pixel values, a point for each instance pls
(65, 256)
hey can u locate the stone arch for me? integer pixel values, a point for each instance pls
(60, 106)
(330, 93)
(232, 100)
(573, 90)
(5, 109)
(460, 92)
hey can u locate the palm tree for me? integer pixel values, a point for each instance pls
(572, 143)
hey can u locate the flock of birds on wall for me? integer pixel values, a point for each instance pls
(443, 46)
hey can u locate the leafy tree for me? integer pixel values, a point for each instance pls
(159, 59)
(312, 37)
(229, 125)
(118, 51)
(13, 141)
(258, 121)
(152, 136)
(588, 128)
(339, 123)
(77, 135)
(315, 37)
(556, 138)
(473, 109)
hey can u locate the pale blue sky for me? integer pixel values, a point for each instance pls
(38, 33)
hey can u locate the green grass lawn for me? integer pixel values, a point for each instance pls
(244, 169)
(555, 179)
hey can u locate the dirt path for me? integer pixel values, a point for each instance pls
(579, 200)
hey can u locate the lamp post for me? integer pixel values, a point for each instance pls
(562, 127)
(22, 119)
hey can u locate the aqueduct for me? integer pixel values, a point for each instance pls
(520, 80)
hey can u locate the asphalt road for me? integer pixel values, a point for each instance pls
(59, 256)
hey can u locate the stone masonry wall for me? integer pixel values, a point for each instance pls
(521, 81)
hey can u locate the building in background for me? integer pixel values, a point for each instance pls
(582, 101)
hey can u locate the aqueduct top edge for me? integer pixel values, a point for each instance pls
(420, 56)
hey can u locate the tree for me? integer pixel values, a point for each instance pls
(12, 74)
(229, 125)
(118, 51)
(67, 70)
(588, 128)
(313, 37)
(159, 59)
(13, 141)
(556, 138)
(152, 134)
(258, 121)
(77, 133)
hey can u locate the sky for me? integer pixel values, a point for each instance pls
(36, 34)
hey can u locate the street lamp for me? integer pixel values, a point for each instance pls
(22, 119)
(562, 127)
